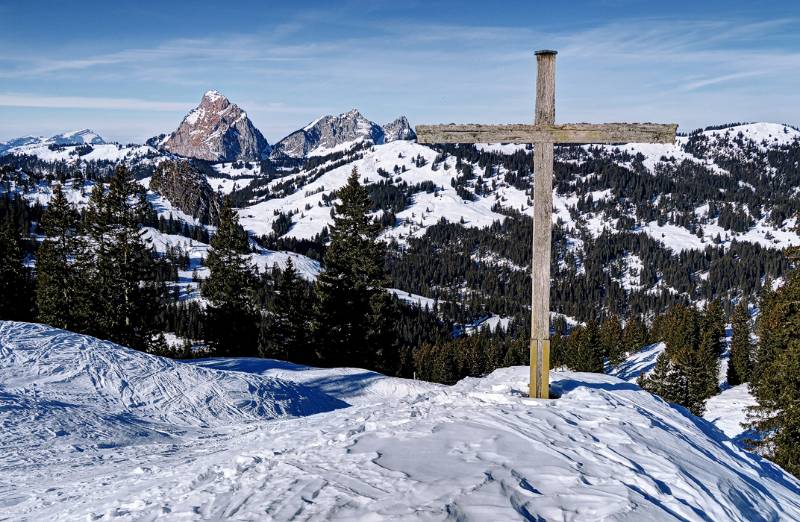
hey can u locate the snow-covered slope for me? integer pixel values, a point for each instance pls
(479, 450)
(78, 137)
(83, 373)
(426, 208)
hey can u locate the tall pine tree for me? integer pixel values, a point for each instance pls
(61, 299)
(611, 338)
(125, 295)
(232, 318)
(775, 381)
(350, 324)
(15, 281)
(740, 363)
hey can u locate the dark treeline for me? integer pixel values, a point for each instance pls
(96, 273)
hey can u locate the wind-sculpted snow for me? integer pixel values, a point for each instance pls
(352, 385)
(76, 372)
(479, 450)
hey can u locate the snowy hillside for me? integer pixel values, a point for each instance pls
(479, 450)
(634, 219)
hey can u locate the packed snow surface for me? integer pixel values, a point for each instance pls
(96, 431)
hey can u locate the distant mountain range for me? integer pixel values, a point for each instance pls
(79, 137)
(218, 130)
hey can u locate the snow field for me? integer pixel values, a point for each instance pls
(479, 450)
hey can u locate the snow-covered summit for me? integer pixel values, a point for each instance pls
(479, 450)
(217, 130)
(327, 134)
(213, 95)
(398, 129)
(78, 137)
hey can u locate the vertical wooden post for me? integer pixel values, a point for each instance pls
(542, 225)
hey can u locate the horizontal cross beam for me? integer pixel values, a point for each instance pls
(549, 133)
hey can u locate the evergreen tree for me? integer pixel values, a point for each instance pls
(740, 363)
(284, 330)
(775, 381)
(634, 335)
(15, 301)
(125, 297)
(61, 299)
(585, 350)
(713, 327)
(350, 322)
(612, 340)
(231, 328)
(687, 370)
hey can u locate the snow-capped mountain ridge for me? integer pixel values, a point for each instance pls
(217, 130)
(328, 134)
(78, 137)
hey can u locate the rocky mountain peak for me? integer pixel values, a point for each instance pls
(217, 130)
(328, 133)
(398, 129)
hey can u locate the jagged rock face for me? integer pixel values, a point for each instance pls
(217, 130)
(399, 129)
(187, 189)
(328, 132)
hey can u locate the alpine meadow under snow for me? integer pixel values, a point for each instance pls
(94, 430)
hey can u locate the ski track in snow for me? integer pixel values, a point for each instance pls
(95, 431)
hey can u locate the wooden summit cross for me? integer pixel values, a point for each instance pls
(543, 134)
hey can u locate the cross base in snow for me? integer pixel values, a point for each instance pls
(543, 134)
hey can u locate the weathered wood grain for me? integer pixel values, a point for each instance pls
(549, 133)
(545, 114)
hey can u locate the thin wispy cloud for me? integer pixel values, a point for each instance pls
(322, 61)
(85, 102)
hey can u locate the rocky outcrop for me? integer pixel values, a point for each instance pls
(399, 129)
(217, 130)
(326, 134)
(187, 189)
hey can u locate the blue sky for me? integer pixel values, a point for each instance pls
(130, 70)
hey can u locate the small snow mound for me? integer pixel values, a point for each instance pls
(352, 385)
(47, 364)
